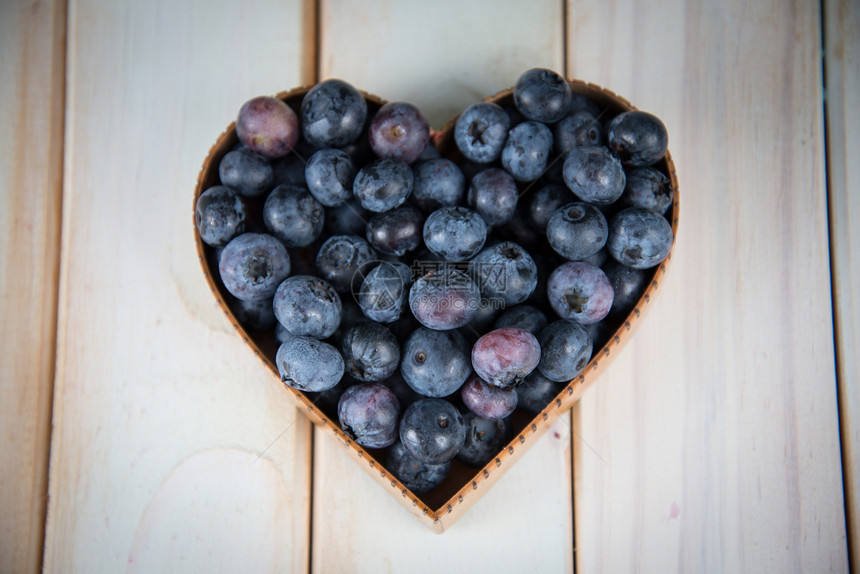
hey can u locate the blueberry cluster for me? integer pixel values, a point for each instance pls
(425, 296)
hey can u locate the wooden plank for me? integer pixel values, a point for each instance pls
(174, 448)
(441, 57)
(32, 50)
(712, 443)
(842, 66)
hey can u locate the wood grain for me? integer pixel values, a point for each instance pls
(174, 448)
(32, 50)
(441, 57)
(720, 416)
(842, 66)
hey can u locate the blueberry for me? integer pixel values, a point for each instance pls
(397, 231)
(580, 291)
(493, 194)
(649, 189)
(405, 394)
(444, 299)
(341, 260)
(368, 414)
(329, 174)
(246, 171)
(307, 305)
(292, 215)
(399, 131)
(484, 439)
(536, 392)
(545, 202)
(383, 291)
(254, 315)
(417, 476)
(252, 266)
(308, 364)
(581, 102)
(566, 349)
(505, 271)
(333, 113)
(578, 128)
(347, 219)
(577, 231)
(527, 150)
(525, 317)
(542, 95)
(455, 233)
(594, 175)
(219, 215)
(370, 352)
(289, 170)
(432, 430)
(438, 183)
(503, 357)
(268, 126)
(638, 138)
(488, 401)
(435, 363)
(639, 238)
(383, 184)
(481, 130)
(628, 285)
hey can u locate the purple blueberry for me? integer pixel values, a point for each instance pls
(435, 363)
(417, 476)
(638, 138)
(432, 430)
(384, 290)
(481, 130)
(545, 202)
(252, 266)
(307, 305)
(268, 126)
(566, 349)
(341, 260)
(291, 214)
(525, 317)
(329, 175)
(399, 131)
(383, 184)
(438, 183)
(503, 357)
(484, 439)
(649, 189)
(246, 171)
(577, 231)
(505, 271)
(397, 231)
(580, 291)
(370, 352)
(488, 401)
(444, 299)
(493, 194)
(527, 150)
(639, 238)
(219, 215)
(308, 364)
(333, 114)
(368, 414)
(542, 95)
(594, 175)
(455, 233)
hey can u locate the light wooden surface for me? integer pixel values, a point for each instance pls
(712, 444)
(842, 25)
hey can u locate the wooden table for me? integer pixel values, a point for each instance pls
(725, 437)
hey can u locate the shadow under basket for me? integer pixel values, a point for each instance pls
(441, 507)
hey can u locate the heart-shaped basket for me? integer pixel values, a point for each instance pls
(442, 506)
